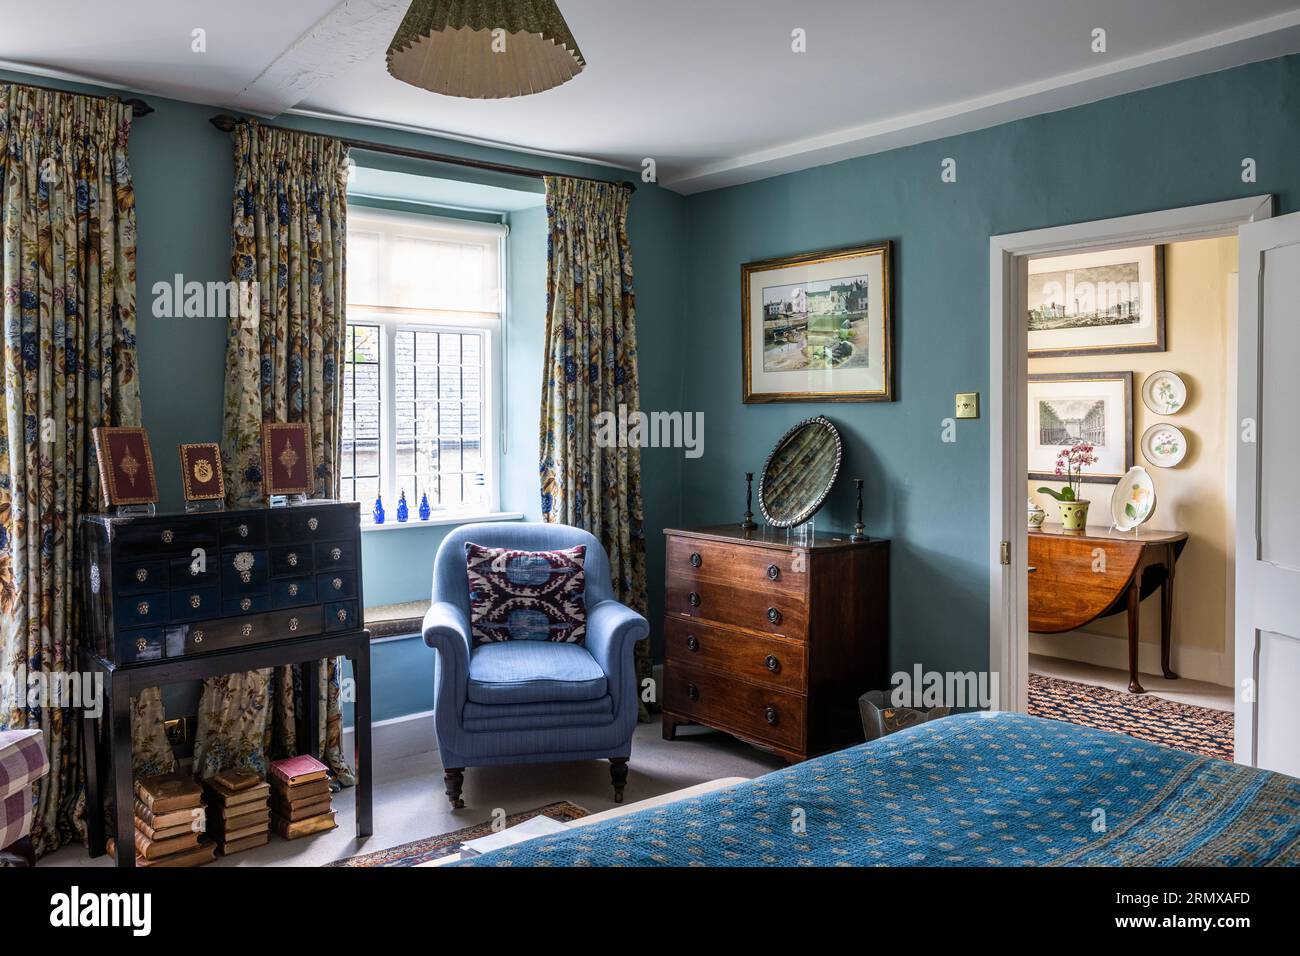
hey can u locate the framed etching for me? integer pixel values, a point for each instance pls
(818, 327)
(286, 459)
(1066, 408)
(1097, 303)
(201, 472)
(126, 475)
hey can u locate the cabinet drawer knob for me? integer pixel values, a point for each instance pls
(246, 630)
(770, 715)
(774, 615)
(245, 603)
(772, 663)
(167, 536)
(343, 614)
(773, 572)
(696, 560)
(141, 644)
(337, 584)
(692, 692)
(293, 624)
(336, 553)
(692, 642)
(293, 559)
(142, 575)
(693, 599)
(195, 601)
(313, 523)
(243, 531)
(293, 590)
(142, 608)
(198, 637)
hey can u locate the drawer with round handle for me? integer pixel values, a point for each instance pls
(341, 616)
(780, 614)
(334, 555)
(292, 592)
(139, 577)
(736, 706)
(763, 660)
(243, 531)
(336, 585)
(204, 636)
(190, 604)
(766, 570)
(142, 644)
(292, 560)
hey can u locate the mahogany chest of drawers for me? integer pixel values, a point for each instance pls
(773, 639)
(178, 585)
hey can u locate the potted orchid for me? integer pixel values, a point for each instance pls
(1070, 463)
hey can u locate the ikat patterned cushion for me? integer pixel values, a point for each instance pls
(526, 595)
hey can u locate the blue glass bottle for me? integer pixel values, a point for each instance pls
(402, 511)
(424, 507)
(378, 513)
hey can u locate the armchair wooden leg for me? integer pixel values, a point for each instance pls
(618, 775)
(454, 778)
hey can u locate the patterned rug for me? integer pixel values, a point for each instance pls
(422, 851)
(1198, 730)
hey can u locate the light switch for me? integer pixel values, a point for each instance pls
(968, 404)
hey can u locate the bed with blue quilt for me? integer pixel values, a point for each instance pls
(967, 790)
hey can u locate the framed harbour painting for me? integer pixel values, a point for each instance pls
(1097, 303)
(818, 327)
(1068, 408)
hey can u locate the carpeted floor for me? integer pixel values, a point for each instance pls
(1198, 730)
(422, 851)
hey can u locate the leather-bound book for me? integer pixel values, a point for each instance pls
(156, 849)
(221, 797)
(220, 813)
(167, 792)
(302, 792)
(223, 828)
(299, 770)
(205, 852)
(302, 811)
(233, 780)
(247, 843)
(234, 836)
(185, 816)
(293, 829)
(165, 833)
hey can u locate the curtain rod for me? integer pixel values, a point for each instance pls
(138, 106)
(226, 123)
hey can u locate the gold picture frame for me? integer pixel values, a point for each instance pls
(818, 327)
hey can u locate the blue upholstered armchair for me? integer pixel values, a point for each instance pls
(531, 701)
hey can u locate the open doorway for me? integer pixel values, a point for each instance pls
(1125, 628)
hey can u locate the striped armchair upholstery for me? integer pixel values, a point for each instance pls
(529, 701)
(22, 763)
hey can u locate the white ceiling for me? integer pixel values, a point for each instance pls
(709, 89)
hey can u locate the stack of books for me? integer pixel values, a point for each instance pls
(239, 816)
(300, 797)
(170, 822)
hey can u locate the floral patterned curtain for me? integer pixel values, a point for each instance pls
(67, 270)
(289, 230)
(591, 368)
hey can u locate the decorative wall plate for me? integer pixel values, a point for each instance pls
(1164, 392)
(1164, 445)
(1134, 499)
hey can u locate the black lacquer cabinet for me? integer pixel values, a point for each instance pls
(177, 585)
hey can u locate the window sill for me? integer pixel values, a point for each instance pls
(441, 521)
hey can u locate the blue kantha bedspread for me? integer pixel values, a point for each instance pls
(967, 790)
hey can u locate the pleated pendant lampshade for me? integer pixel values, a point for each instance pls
(484, 49)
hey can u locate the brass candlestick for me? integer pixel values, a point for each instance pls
(748, 524)
(859, 529)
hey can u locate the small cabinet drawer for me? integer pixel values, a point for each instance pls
(336, 586)
(243, 530)
(190, 604)
(772, 613)
(196, 570)
(341, 616)
(137, 577)
(762, 570)
(313, 524)
(243, 572)
(763, 660)
(218, 635)
(290, 592)
(291, 559)
(139, 610)
(246, 604)
(741, 708)
(145, 644)
(335, 554)
(150, 536)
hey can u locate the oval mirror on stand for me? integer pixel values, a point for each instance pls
(799, 473)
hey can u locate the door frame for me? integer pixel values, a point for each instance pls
(1008, 372)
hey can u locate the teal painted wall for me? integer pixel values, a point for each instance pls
(1170, 146)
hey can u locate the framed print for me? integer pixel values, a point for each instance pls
(126, 475)
(1097, 303)
(201, 472)
(1067, 408)
(286, 458)
(818, 327)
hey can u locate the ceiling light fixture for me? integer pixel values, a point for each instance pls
(484, 49)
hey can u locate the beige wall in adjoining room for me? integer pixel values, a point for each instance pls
(1191, 497)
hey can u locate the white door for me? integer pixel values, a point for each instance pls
(1268, 497)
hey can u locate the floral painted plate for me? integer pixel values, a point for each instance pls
(1164, 393)
(1134, 499)
(1164, 445)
